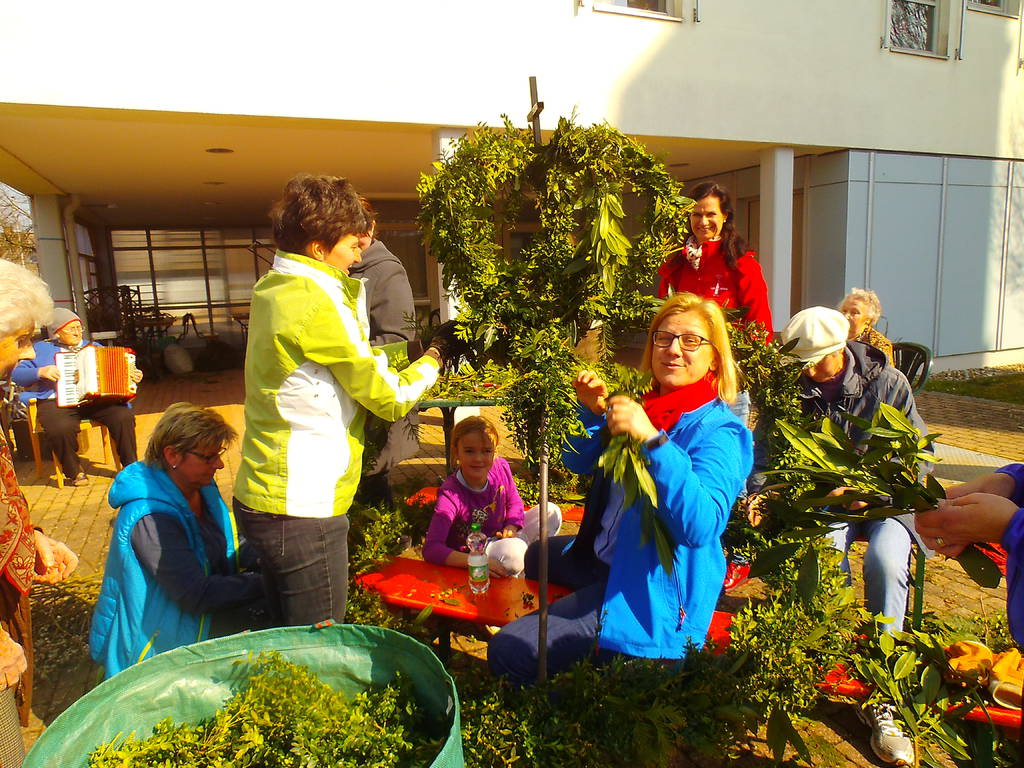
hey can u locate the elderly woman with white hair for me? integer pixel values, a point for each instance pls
(862, 308)
(26, 554)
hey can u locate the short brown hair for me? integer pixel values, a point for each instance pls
(186, 427)
(320, 209)
(472, 424)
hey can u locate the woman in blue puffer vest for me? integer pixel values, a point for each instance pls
(175, 556)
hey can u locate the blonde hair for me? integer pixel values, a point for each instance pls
(472, 424)
(869, 299)
(24, 299)
(186, 427)
(728, 374)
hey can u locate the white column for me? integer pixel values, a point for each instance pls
(51, 249)
(776, 246)
(444, 141)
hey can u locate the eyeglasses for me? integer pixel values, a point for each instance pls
(209, 458)
(690, 342)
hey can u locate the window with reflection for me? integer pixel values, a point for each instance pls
(912, 24)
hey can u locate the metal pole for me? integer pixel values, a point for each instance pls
(206, 279)
(542, 625)
(536, 107)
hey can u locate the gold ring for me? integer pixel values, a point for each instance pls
(940, 541)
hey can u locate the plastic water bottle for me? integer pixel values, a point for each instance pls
(479, 575)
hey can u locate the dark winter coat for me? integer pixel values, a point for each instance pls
(869, 380)
(390, 309)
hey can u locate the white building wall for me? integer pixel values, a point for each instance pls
(940, 239)
(781, 72)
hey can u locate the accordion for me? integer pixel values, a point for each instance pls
(95, 374)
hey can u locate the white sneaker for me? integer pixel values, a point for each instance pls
(888, 741)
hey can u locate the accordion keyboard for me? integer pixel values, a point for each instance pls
(67, 384)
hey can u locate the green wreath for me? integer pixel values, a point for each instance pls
(607, 214)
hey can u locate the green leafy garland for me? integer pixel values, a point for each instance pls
(585, 267)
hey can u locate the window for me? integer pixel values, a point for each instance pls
(663, 9)
(1002, 7)
(919, 26)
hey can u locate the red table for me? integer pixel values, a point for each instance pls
(417, 584)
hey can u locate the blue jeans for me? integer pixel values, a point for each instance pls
(304, 562)
(740, 407)
(886, 565)
(573, 621)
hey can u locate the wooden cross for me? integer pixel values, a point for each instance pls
(536, 107)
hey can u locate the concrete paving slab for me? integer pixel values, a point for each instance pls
(962, 464)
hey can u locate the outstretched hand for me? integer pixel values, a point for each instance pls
(54, 560)
(592, 391)
(957, 522)
(998, 483)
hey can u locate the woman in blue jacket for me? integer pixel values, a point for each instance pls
(175, 557)
(699, 456)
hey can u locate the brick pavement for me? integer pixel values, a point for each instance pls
(979, 425)
(82, 517)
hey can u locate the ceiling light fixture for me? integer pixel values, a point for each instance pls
(219, 151)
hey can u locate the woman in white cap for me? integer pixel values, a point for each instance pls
(61, 425)
(853, 377)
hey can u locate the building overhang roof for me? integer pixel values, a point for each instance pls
(133, 168)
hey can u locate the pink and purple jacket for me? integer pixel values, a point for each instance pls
(458, 507)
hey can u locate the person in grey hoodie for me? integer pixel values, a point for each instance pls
(390, 312)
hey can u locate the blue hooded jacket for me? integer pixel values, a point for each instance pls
(134, 617)
(698, 473)
(1013, 543)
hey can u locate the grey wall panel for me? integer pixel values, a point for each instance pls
(859, 165)
(826, 245)
(908, 169)
(856, 236)
(971, 262)
(831, 168)
(979, 172)
(1013, 303)
(904, 254)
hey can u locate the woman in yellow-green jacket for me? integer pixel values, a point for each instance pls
(310, 378)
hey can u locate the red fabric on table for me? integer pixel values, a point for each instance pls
(572, 514)
(416, 584)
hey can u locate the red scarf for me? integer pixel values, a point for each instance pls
(664, 410)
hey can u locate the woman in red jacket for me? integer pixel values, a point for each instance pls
(715, 262)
